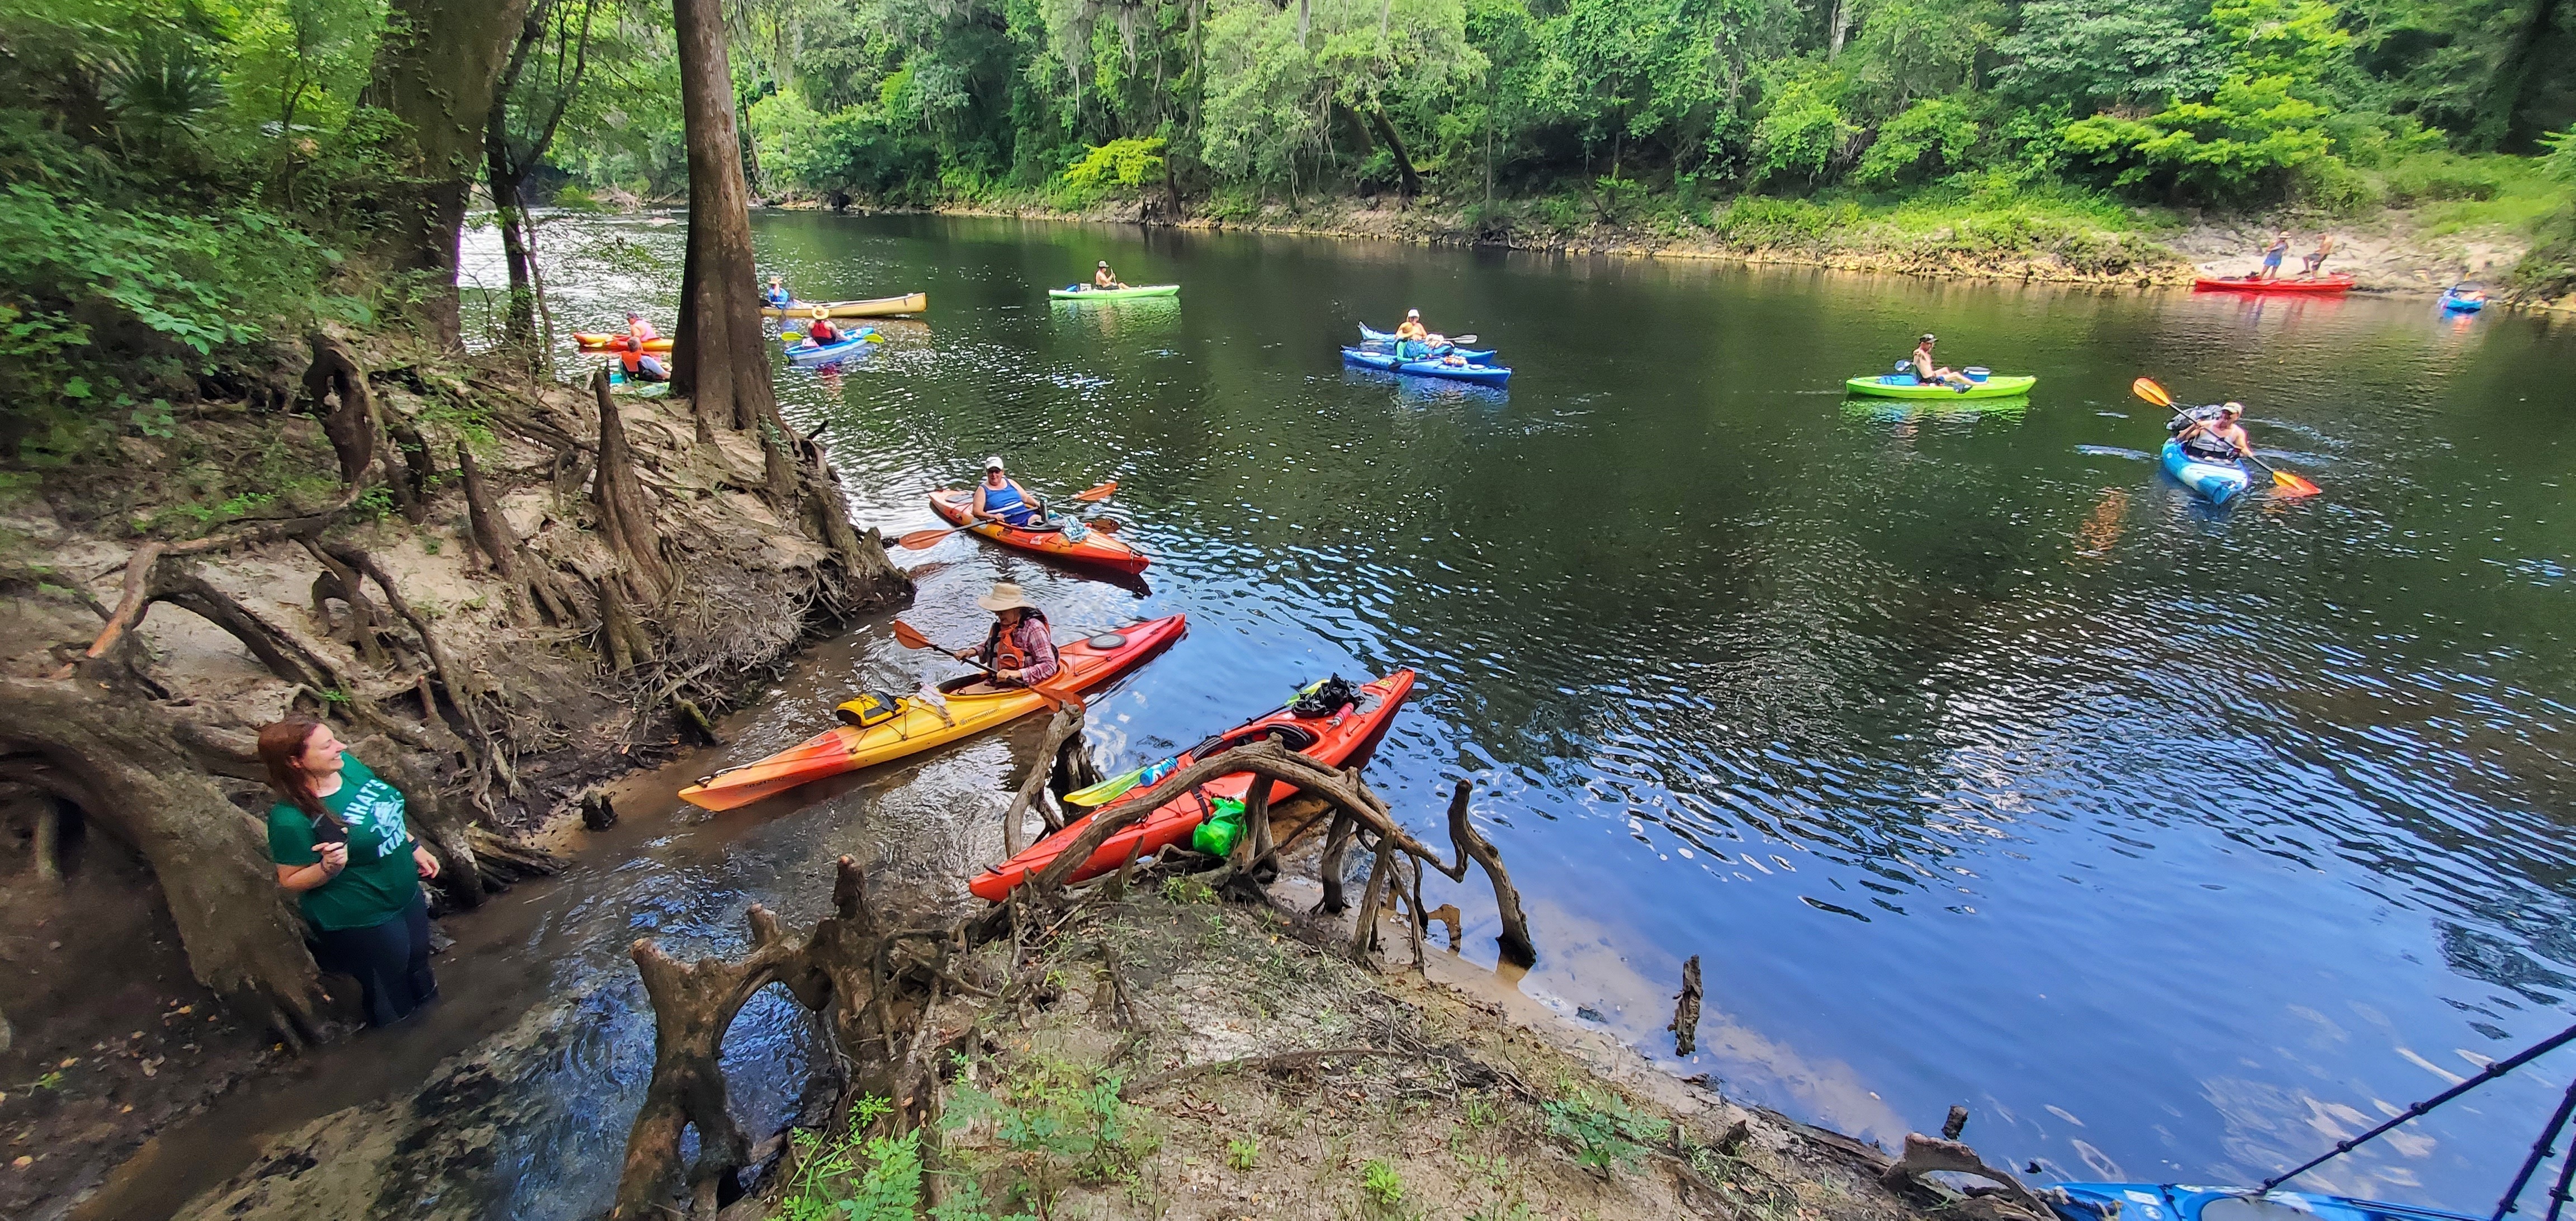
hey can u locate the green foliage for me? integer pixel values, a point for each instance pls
(856, 1177)
(1242, 1153)
(1931, 137)
(1381, 1184)
(1607, 1134)
(2089, 54)
(1804, 131)
(1057, 1123)
(1118, 166)
(2240, 145)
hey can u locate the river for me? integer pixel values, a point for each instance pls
(1976, 759)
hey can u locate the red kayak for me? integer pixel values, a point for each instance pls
(1332, 739)
(1094, 547)
(2225, 284)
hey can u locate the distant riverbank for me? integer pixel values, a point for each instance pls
(2034, 237)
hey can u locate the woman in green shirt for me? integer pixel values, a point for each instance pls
(342, 847)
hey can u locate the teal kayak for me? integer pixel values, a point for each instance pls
(2219, 481)
(1904, 386)
(1085, 292)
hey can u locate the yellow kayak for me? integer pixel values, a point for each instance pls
(973, 706)
(881, 307)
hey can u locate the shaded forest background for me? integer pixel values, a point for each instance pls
(186, 181)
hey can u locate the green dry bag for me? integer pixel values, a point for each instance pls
(1217, 833)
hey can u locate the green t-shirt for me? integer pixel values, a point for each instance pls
(381, 880)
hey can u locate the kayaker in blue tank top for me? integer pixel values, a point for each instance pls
(999, 499)
(777, 296)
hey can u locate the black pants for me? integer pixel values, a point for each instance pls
(390, 961)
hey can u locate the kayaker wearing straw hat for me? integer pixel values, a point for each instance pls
(1018, 650)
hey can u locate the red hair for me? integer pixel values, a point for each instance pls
(281, 748)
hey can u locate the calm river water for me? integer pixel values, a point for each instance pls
(1976, 760)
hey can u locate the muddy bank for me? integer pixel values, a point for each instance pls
(499, 590)
(1166, 1054)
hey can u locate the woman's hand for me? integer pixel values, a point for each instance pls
(423, 861)
(335, 857)
(1012, 675)
(964, 654)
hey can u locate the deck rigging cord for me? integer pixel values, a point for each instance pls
(2487, 1074)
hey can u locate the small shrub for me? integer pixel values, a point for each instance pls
(2442, 176)
(874, 1178)
(1605, 1132)
(1383, 1186)
(1242, 1154)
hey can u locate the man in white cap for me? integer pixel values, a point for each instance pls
(1018, 651)
(1000, 499)
(2216, 436)
(1102, 277)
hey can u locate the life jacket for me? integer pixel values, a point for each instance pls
(630, 353)
(1006, 501)
(1002, 652)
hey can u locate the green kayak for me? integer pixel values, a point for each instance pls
(1084, 292)
(1905, 387)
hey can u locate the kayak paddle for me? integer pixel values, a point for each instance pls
(919, 539)
(2146, 388)
(910, 637)
(1111, 789)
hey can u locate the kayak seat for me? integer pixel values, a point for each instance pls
(1295, 737)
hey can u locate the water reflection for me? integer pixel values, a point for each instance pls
(1980, 762)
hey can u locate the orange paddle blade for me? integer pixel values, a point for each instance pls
(2146, 388)
(2292, 485)
(919, 539)
(1101, 492)
(905, 635)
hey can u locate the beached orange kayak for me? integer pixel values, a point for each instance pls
(973, 706)
(1094, 547)
(1332, 739)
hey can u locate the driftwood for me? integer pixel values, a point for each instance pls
(1928, 1155)
(1348, 795)
(840, 966)
(1685, 1025)
(1060, 730)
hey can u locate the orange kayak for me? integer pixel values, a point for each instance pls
(1333, 740)
(1095, 546)
(973, 706)
(609, 339)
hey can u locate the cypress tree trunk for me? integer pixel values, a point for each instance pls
(435, 70)
(719, 343)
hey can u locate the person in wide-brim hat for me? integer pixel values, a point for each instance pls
(1018, 651)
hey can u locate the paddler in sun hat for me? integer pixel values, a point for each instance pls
(1411, 331)
(999, 498)
(1018, 651)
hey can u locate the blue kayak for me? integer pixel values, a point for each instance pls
(1487, 375)
(1371, 337)
(2219, 481)
(2166, 1202)
(805, 351)
(2463, 305)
